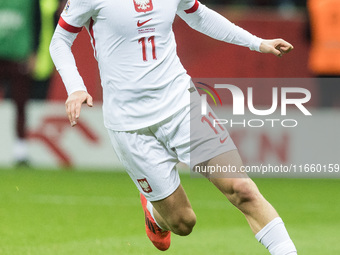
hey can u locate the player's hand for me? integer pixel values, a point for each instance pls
(73, 105)
(278, 47)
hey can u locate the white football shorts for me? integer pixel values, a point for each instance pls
(150, 154)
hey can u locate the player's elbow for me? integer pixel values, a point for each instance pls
(61, 43)
(52, 46)
(55, 46)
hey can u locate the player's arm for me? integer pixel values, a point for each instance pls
(62, 56)
(209, 22)
(69, 25)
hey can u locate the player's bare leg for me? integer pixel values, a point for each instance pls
(242, 192)
(173, 213)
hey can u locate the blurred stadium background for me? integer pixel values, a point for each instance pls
(74, 197)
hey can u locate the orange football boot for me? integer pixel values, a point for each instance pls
(160, 238)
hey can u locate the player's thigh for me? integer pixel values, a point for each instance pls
(149, 164)
(176, 208)
(233, 181)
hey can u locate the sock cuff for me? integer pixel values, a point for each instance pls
(275, 238)
(286, 247)
(149, 206)
(267, 228)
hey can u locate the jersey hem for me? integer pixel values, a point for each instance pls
(118, 127)
(171, 190)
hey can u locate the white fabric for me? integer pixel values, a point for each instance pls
(20, 150)
(275, 238)
(149, 206)
(218, 27)
(137, 93)
(64, 60)
(151, 153)
(207, 139)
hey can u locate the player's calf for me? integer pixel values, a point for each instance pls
(260, 214)
(175, 213)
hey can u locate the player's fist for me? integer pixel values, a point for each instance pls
(73, 105)
(278, 47)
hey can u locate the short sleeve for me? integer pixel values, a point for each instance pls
(188, 6)
(75, 15)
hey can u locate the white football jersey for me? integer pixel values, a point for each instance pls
(142, 78)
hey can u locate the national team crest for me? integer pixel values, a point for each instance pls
(143, 183)
(143, 5)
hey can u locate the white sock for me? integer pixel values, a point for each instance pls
(20, 150)
(149, 206)
(275, 238)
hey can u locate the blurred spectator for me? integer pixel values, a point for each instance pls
(44, 67)
(324, 60)
(19, 36)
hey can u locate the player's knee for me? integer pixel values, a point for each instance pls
(244, 191)
(183, 224)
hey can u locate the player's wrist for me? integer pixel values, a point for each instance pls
(76, 90)
(256, 44)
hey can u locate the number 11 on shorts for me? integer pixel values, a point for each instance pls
(150, 40)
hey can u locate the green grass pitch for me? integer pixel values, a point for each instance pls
(74, 212)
